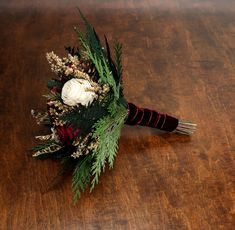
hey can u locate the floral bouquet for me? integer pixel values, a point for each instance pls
(86, 110)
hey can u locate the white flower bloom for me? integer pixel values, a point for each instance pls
(78, 91)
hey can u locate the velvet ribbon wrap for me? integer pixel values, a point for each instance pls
(150, 118)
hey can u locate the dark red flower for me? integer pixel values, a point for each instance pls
(55, 89)
(67, 134)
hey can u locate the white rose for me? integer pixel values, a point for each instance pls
(77, 91)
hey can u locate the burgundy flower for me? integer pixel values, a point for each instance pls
(67, 134)
(55, 89)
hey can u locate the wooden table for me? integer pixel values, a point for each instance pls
(179, 58)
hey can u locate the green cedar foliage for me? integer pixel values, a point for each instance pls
(81, 176)
(107, 144)
(84, 117)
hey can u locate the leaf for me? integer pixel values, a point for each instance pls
(96, 53)
(92, 37)
(54, 83)
(118, 59)
(111, 63)
(49, 146)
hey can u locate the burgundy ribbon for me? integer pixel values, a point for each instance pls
(150, 118)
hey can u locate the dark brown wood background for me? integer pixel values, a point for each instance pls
(179, 58)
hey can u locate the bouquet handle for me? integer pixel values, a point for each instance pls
(151, 118)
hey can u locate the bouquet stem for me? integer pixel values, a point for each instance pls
(151, 118)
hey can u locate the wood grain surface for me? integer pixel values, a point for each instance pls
(179, 58)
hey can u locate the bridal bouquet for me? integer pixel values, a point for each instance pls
(86, 110)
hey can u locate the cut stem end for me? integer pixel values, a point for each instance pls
(186, 128)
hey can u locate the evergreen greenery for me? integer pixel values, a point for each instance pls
(118, 61)
(84, 117)
(54, 83)
(96, 53)
(108, 144)
(81, 176)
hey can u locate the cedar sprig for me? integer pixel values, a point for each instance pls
(107, 144)
(85, 117)
(81, 176)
